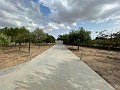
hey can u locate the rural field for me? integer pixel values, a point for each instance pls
(11, 56)
(106, 65)
(60, 44)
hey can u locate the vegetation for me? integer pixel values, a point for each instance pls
(107, 40)
(76, 37)
(4, 40)
(21, 35)
(83, 37)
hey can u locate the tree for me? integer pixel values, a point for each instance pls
(50, 39)
(81, 34)
(64, 38)
(72, 37)
(78, 43)
(4, 40)
(76, 37)
(22, 35)
(19, 40)
(15, 33)
(105, 39)
(40, 36)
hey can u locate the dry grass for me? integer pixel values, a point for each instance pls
(105, 64)
(11, 56)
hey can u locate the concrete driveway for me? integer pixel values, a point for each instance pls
(55, 69)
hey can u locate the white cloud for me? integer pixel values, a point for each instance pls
(55, 26)
(64, 13)
(71, 11)
(74, 24)
(13, 13)
(52, 26)
(68, 27)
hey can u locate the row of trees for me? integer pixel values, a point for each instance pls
(83, 37)
(22, 35)
(76, 37)
(106, 39)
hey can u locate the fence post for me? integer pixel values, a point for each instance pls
(81, 54)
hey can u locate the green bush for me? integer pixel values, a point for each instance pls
(4, 39)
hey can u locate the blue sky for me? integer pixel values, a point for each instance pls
(60, 16)
(35, 1)
(45, 10)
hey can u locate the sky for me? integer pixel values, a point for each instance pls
(60, 16)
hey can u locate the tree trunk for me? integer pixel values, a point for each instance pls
(38, 45)
(109, 49)
(78, 47)
(29, 48)
(19, 45)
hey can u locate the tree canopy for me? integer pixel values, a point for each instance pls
(74, 36)
(82, 37)
(23, 35)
